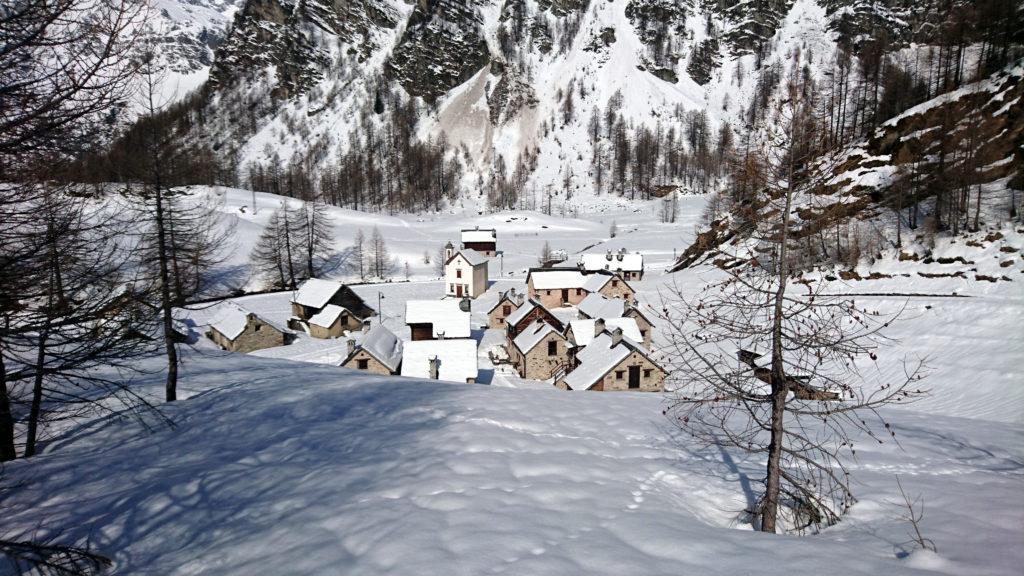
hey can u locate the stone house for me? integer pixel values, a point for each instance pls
(450, 360)
(580, 333)
(438, 319)
(315, 294)
(613, 363)
(643, 321)
(236, 329)
(527, 314)
(626, 265)
(508, 303)
(465, 272)
(539, 351)
(599, 306)
(378, 352)
(331, 322)
(558, 287)
(483, 240)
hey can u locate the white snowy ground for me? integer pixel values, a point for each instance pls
(282, 467)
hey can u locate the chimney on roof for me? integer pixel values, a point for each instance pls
(616, 336)
(598, 327)
(477, 226)
(440, 335)
(351, 346)
(366, 324)
(519, 299)
(435, 367)
(608, 255)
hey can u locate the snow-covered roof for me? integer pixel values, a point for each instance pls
(473, 257)
(583, 330)
(230, 319)
(521, 312)
(532, 335)
(315, 292)
(446, 316)
(557, 278)
(596, 281)
(596, 305)
(383, 345)
(480, 235)
(457, 357)
(596, 360)
(508, 296)
(328, 316)
(630, 262)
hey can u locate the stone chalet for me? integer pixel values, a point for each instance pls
(379, 351)
(450, 360)
(240, 330)
(597, 306)
(438, 319)
(483, 240)
(465, 272)
(526, 315)
(612, 362)
(508, 303)
(558, 287)
(313, 301)
(539, 351)
(629, 266)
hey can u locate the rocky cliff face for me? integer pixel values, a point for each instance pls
(442, 47)
(295, 81)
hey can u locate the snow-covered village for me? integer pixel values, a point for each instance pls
(524, 287)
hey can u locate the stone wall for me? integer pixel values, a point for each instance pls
(653, 382)
(496, 317)
(256, 336)
(373, 365)
(537, 364)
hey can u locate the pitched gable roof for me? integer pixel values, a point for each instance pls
(600, 358)
(533, 335)
(316, 293)
(231, 319)
(596, 305)
(383, 345)
(328, 316)
(458, 361)
(471, 256)
(445, 315)
(628, 262)
(479, 234)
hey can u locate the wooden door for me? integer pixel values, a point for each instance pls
(634, 376)
(565, 294)
(458, 289)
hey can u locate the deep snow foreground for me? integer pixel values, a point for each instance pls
(278, 467)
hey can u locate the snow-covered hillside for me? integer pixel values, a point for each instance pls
(276, 466)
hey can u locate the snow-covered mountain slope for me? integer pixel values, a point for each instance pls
(500, 79)
(185, 34)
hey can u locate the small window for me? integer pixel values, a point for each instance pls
(506, 309)
(615, 283)
(458, 273)
(547, 292)
(363, 364)
(647, 372)
(579, 291)
(643, 333)
(553, 348)
(257, 327)
(619, 374)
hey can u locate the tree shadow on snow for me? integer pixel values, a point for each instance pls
(269, 453)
